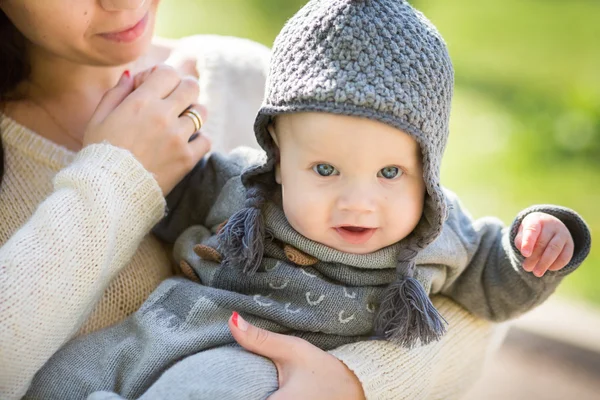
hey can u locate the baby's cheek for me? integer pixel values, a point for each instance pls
(304, 215)
(403, 215)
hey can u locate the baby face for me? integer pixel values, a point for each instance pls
(353, 184)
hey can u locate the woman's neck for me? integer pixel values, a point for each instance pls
(59, 96)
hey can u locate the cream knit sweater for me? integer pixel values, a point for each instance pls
(76, 256)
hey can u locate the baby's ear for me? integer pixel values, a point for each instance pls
(278, 173)
(271, 129)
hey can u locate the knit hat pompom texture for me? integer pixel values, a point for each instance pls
(377, 59)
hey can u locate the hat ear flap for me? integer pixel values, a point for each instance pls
(241, 241)
(406, 313)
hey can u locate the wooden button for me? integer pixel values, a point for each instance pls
(207, 253)
(298, 257)
(188, 271)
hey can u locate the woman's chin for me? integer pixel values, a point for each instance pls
(122, 54)
(126, 57)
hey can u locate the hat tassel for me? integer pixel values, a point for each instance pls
(406, 315)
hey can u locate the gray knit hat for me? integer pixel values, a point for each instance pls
(378, 59)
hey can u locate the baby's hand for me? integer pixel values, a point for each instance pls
(545, 242)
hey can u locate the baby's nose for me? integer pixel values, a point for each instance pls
(358, 199)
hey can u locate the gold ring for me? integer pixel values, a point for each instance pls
(195, 117)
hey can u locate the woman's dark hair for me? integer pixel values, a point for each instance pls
(13, 68)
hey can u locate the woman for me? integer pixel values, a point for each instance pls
(88, 159)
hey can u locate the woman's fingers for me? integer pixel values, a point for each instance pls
(141, 77)
(304, 371)
(268, 344)
(113, 97)
(191, 120)
(199, 146)
(147, 121)
(178, 91)
(186, 93)
(161, 82)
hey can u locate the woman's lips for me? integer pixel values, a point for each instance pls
(355, 234)
(130, 34)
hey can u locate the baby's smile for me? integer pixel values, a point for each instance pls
(355, 234)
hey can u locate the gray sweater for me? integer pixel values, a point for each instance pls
(474, 262)
(303, 288)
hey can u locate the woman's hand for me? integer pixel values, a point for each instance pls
(186, 68)
(305, 371)
(147, 121)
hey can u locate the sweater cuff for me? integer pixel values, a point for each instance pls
(579, 230)
(106, 170)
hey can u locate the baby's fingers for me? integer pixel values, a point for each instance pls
(564, 257)
(519, 238)
(538, 250)
(550, 254)
(530, 230)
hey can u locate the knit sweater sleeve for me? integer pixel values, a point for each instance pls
(56, 266)
(493, 283)
(445, 369)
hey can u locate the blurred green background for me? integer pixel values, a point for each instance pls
(526, 116)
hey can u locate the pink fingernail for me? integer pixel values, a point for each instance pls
(125, 75)
(239, 322)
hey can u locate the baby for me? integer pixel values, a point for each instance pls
(340, 234)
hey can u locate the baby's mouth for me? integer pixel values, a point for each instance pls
(355, 234)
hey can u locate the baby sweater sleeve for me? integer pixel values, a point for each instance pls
(55, 268)
(214, 183)
(493, 284)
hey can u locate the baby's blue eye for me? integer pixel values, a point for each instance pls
(389, 172)
(325, 169)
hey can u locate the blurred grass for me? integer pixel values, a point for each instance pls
(526, 118)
